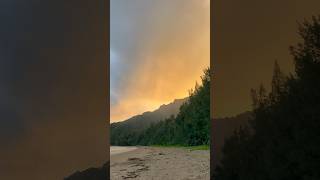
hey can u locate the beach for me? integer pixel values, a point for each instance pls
(121, 149)
(160, 163)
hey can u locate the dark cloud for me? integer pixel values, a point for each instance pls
(52, 88)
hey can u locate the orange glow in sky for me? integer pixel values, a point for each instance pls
(159, 55)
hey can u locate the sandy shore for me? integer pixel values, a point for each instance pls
(153, 163)
(120, 149)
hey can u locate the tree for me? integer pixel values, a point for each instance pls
(283, 139)
(190, 127)
(277, 85)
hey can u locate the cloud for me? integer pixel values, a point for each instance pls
(162, 48)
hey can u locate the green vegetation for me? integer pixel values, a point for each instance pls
(201, 147)
(282, 140)
(190, 127)
(125, 132)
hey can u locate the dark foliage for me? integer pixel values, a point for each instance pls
(189, 127)
(124, 133)
(282, 140)
(92, 174)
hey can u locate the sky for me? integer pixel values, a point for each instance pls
(158, 50)
(248, 36)
(53, 84)
(53, 88)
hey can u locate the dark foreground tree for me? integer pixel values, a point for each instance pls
(102, 173)
(282, 141)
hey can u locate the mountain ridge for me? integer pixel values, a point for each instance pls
(142, 121)
(179, 101)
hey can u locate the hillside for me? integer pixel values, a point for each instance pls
(189, 127)
(225, 127)
(121, 131)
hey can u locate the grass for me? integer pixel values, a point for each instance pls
(192, 148)
(201, 147)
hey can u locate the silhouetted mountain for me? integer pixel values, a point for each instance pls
(141, 122)
(102, 173)
(183, 122)
(225, 127)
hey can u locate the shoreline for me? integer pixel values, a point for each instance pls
(114, 150)
(158, 163)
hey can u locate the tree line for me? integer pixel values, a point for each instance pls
(190, 127)
(282, 139)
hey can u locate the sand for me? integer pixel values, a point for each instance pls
(153, 163)
(121, 149)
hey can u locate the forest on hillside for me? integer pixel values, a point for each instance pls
(190, 127)
(121, 132)
(282, 140)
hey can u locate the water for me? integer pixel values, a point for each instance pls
(120, 149)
